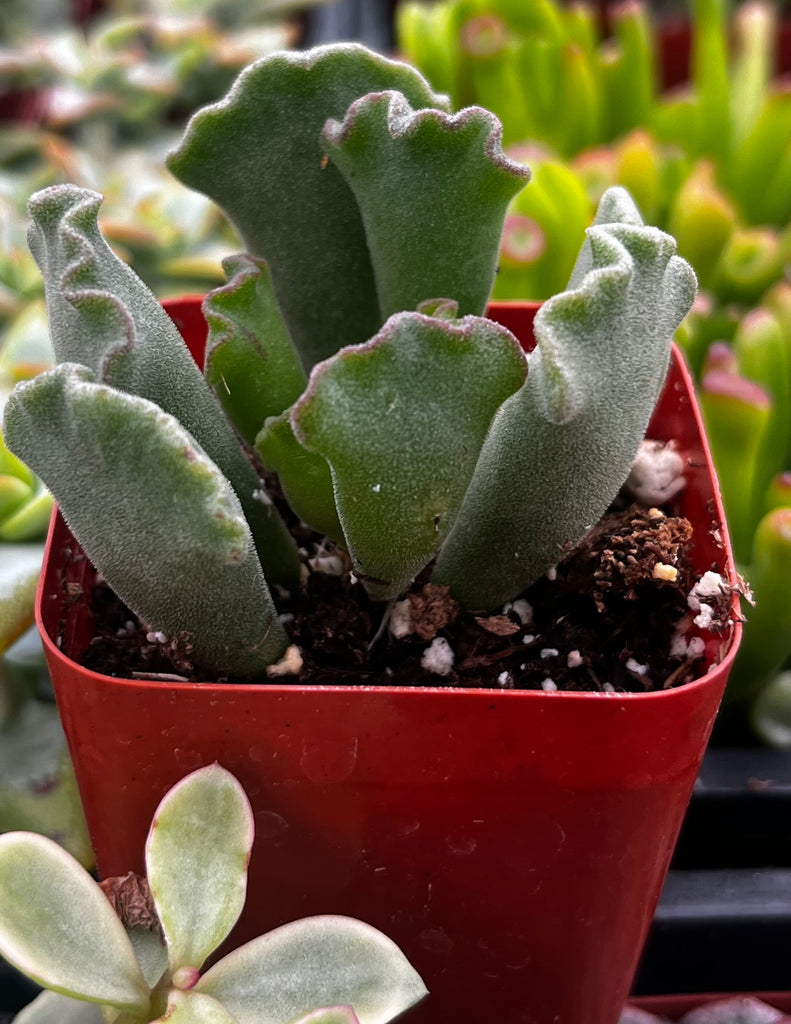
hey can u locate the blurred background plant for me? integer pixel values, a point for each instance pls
(584, 102)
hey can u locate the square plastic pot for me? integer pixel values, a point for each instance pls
(512, 843)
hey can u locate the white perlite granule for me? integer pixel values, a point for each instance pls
(289, 665)
(657, 473)
(549, 685)
(636, 667)
(400, 622)
(329, 565)
(574, 659)
(521, 608)
(438, 657)
(549, 652)
(710, 584)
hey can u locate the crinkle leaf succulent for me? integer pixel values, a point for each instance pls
(373, 220)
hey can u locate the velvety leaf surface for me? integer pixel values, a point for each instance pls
(304, 476)
(196, 862)
(281, 976)
(58, 927)
(257, 154)
(194, 1008)
(562, 446)
(427, 184)
(54, 1008)
(162, 525)
(250, 361)
(103, 317)
(401, 420)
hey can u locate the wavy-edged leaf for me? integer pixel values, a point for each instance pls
(401, 420)
(281, 976)
(304, 476)
(194, 1008)
(20, 566)
(54, 1008)
(562, 446)
(58, 927)
(257, 154)
(102, 316)
(196, 862)
(428, 184)
(250, 361)
(152, 512)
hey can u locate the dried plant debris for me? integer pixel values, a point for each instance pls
(131, 899)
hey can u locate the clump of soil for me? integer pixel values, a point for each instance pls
(613, 616)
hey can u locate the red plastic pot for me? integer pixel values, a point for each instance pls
(512, 843)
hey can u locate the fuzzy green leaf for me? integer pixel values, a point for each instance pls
(558, 452)
(58, 927)
(163, 525)
(427, 184)
(257, 154)
(281, 976)
(196, 863)
(304, 476)
(103, 317)
(250, 360)
(401, 442)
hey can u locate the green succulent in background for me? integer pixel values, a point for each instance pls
(59, 927)
(379, 217)
(709, 162)
(37, 786)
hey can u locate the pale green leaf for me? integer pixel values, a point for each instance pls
(279, 977)
(427, 184)
(194, 1008)
(54, 1008)
(250, 361)
(58, 927)
(196, 862)
(330, 1015)
(151, 954)
(162, 524)
(401, 441)
(257, 154)
(559, 451)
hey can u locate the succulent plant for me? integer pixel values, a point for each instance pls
(59, 927)
(349, 348)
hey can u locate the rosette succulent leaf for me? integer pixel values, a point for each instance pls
(58, 926)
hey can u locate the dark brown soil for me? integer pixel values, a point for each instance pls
(605, 620)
